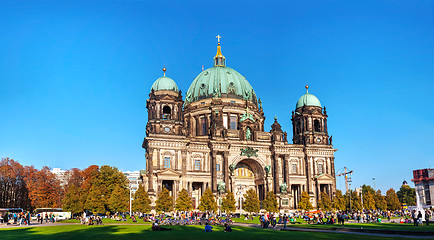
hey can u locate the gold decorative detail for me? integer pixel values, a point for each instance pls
(307, 88)
(164, 71)
(219, 59)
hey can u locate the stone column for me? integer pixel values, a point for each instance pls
(213, 171)
(150, 166)
(275, 173)
(226, 170)
(286, 161)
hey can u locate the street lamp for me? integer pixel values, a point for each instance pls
(240, 196)
(374, 182)
(130, 187)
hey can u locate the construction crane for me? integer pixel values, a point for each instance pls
(343, 172)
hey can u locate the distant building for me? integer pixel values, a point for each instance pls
(424, 184)
(134, 179)
(61, 175)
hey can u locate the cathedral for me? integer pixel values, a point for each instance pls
(215, 138)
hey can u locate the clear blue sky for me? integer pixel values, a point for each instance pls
(75, 75)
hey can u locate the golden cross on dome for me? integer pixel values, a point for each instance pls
(218, 38)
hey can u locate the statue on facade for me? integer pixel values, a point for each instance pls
(221, 187)
(232, 168)
(267, 169)
(283, 187)
(248, 134)
(330, 140)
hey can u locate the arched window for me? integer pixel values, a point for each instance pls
(316, 126)
(320, 168)
(166, 112)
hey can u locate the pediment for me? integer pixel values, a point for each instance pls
(324, 176)
(169, 172)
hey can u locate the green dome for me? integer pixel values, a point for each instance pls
(220, 81)
(308, 100)
(164, 83)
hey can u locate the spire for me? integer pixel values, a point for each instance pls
(219, 59)
(307, 88)
(164, 71)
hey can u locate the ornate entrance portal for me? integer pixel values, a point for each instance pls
(248, 175)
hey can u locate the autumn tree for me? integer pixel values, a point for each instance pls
(407, 195)
(368, 194)
(119, 199)
(228, 203)
(164, 202)
(324, 202)
(72, 201)
(305, 203)
(142, 202)
(380, 201)
(183, 202)
(338, 202)
(392, 200)
(251, 201)
(44, 188)
(207, 202)
(13, 188)
(270, 203)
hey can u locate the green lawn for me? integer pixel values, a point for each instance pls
(381, 226)
(110, 221)
(178, 232)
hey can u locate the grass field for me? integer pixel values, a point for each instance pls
(110, 221)
(178, 232)
(380, 226)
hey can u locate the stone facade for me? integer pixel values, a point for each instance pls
(219, 140)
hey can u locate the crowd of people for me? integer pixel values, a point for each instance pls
(24, 218)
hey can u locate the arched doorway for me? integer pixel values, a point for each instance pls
(248, 174)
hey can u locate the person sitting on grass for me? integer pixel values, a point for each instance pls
(156, 227)
(208, 228)
(227, 228)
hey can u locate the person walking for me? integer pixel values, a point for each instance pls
(427, 213)
(419, 218)
(285, 219)
(414, 217)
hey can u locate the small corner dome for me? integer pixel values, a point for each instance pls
(164, 83)
(308, 100)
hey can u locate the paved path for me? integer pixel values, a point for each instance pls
(330, 231)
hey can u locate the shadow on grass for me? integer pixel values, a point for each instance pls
(80, 232)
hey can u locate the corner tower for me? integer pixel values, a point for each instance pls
(309, 121)
(164, 108)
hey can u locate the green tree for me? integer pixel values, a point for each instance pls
(324, 202)
(141, 202)
(380, 201)
(369, 201)
(72, 201)
(392, 200)
(251, 201)
(95, 201)
(119, 199)
(407, 195)
(183, 202)
(228, 203)
(164, 202)
(207, 202)
(270, 203)
(338, 201)
(305, 203)
(353, 200)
